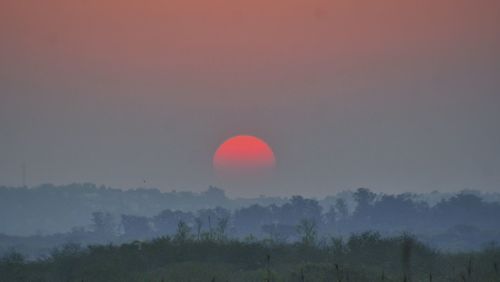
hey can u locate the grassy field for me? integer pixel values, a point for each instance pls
(362, 257)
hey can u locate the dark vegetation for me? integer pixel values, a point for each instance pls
(358, 236)
(185, 256)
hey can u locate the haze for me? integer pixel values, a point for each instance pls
(400, 96)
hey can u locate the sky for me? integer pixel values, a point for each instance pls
(392, 95)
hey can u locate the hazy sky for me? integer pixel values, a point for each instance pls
(392, 95)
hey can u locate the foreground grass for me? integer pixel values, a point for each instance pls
(363, 257)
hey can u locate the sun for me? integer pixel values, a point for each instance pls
(243, 155)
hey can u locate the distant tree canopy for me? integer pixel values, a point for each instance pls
(388, 214)
(461, 221)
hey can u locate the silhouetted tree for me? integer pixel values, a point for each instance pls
(307, 231)
(341, 207)
(183, 232)
(167, 221)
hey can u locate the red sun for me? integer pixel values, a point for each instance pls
(243, 155)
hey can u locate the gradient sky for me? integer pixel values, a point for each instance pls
(392, 95)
